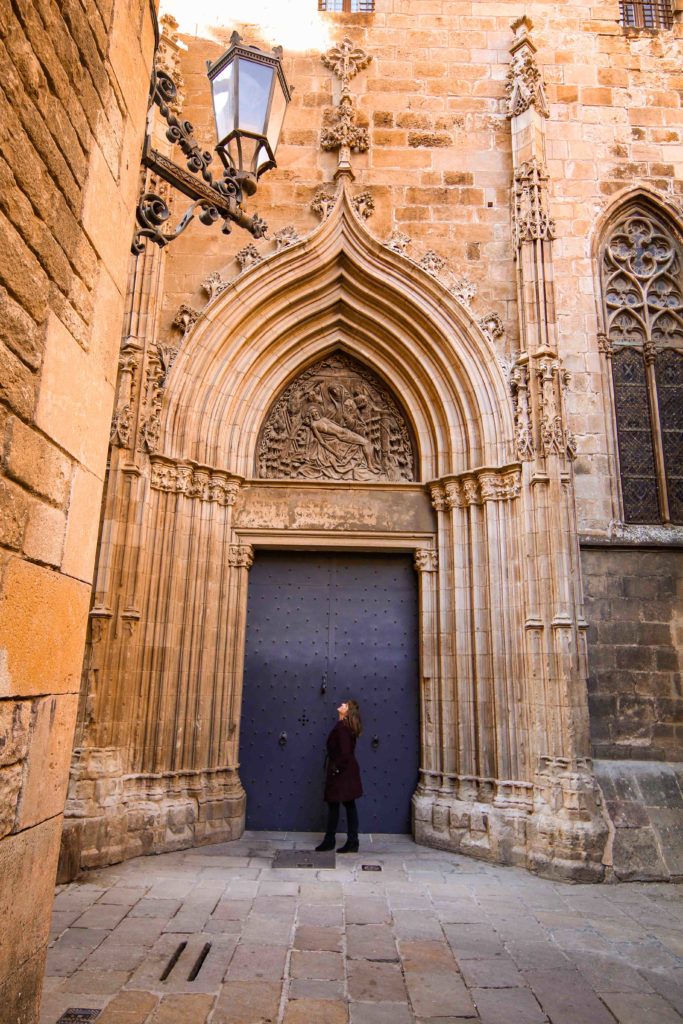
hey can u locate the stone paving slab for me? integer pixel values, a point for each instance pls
(217, 936)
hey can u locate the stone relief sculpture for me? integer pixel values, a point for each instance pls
(336, 422)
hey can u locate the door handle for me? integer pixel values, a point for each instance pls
(283, 739)
(375, 742)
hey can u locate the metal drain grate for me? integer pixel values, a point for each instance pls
(304, 859)
(78, 1015)
(199, 962)
(371, 867)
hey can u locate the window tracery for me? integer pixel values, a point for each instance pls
(642, 287)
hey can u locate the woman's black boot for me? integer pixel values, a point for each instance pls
(350, 846)
(328, 843)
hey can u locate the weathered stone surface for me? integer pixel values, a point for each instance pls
(42, 625)
(129, 1008)
(36, 463)
(10, 786)
(15, 719)
(302, 1011)
(28, 863)
(247, 1002)
(44, 534)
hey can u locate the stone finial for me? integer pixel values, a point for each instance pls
(524, 85)
(398, 241)
(214, 284)
(464, 291)
(432, 262)
(285, 237)
(323, 202)
(248, 257)
(345, 60)
(364, 205)
(186, 318)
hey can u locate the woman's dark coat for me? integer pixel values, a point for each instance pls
(342, 779)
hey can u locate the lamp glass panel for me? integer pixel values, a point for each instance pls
(255, 83)
(223, 91)
(277, 114)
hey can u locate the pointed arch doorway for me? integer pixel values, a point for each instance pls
(323, 627)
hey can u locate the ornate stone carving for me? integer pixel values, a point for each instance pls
(524, 83)
(285, 237)
(168, 60)
(214, 284)
(336, 421)
(426, 560)
(476, 488)
(398, 241)
(159, 363)
(323, 202)
(530, 217)
(464, 290)
(519, 386)
(345, 61)
(186, 318)
(200, 482)
(248, 257)
(241, 556)
(556, 439)
(492, 326)
(364, 205)
(432, 262)
(122, 421)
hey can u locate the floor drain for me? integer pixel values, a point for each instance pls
(173, 961)
(199, 962)
(371, 867)
(78, 1015)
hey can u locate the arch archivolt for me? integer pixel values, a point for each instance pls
(183, 523)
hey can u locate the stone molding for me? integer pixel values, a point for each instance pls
(194, 481)
(530, 216)
(476, 488)
(345, 61)
(241, 556)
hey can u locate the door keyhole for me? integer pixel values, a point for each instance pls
(375, 742)
(283, 739)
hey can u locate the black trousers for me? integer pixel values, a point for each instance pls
(351, 819)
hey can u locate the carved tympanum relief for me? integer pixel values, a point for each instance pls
(336, 421)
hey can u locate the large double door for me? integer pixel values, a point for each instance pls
(322, 628)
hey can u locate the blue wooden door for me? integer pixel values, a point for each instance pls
(322, 628)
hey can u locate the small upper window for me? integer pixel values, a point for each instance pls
(646, 14)
(347, 6)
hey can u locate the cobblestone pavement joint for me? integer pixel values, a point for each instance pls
(216, 935)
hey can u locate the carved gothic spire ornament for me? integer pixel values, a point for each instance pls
(524, 83)
(530, 217)
(345, 61)
(336, 421)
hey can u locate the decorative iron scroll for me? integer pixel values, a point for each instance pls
(336, 422)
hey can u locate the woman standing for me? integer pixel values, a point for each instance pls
(342, 780)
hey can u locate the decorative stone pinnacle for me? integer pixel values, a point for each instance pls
(524, 85)
(345, 61)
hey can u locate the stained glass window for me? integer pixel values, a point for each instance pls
(643, 298)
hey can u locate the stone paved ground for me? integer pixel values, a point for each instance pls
(434, 938)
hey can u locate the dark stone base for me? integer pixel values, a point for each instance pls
(644, 803)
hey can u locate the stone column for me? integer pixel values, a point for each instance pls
(567, 830)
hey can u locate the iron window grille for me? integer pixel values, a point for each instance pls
(652, 14)
(642, 288)
(347, 6)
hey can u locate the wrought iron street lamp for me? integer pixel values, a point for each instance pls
(250, 97)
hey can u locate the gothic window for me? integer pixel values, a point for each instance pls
(348, 6)
(643, 14)
(642, 282)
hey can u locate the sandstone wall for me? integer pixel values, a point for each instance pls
(634, 606)
(439, 166)
(73, 94)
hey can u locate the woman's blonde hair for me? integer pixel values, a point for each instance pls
(353, 718)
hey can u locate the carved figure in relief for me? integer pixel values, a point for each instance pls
(335, 422)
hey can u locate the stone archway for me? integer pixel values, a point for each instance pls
(504, 768)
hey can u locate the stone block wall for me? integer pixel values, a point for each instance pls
(439, 164)
(73, 95)
(634, 607)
